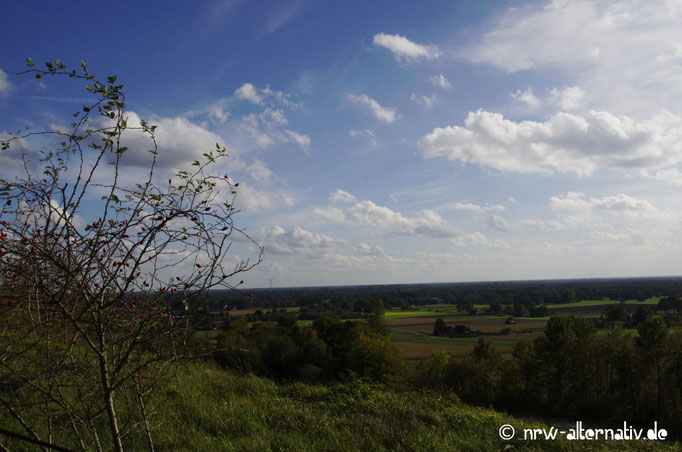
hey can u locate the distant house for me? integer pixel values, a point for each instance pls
(453, 332)
(476, 311)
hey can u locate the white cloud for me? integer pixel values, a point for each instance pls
(405, 50)
(331, 214)
(252, 199)
(430, 224)
(671, 176)
(467, 206)
(216, 111)
(266, 129)
(368, 136)
(263, 96)
(426, 101)
(297, 241)
(341, 196)
(564, 143)
(475, 207)
(527, 97)
(568, 98)
(541, 224)
(497, 223)
(5, 85)
(381, 113)
(385, 220)
(364, 249)
(440, 81)
(478, 240)
(303, 141)
(179, 141)
(249, 92)
(259, 172)
(12, 159)
(617, 203)
(625, 54)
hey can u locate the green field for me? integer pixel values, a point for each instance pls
(605, 302)
(416, 341)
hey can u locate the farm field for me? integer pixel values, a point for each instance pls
(417, 346)
(412, 330)
(413, 334)
(604, 302)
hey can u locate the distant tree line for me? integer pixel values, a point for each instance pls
(356, 299)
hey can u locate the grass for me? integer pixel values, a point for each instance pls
(218, 411)
(604, 302)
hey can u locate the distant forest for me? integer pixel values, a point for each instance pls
(358, 298)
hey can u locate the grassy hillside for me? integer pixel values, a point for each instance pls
(218, 411)
(207, 409)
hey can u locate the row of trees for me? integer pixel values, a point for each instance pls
(571, 372)
(528, 294)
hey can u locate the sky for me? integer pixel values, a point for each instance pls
(390, 142)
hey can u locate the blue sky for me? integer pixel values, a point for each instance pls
(392, 142)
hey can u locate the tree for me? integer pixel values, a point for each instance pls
(89, 328)
(438, 325)
(375, 317)
(617, 313)
(651, 341)
(464, 305)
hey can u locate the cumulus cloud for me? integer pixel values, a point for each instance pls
(5, 85)
(341, 196)
(267, 129)
(179, 140)
(430, 224)
(381, 113)
(568, 98)
(265, 96)
(296, 240)
(405, 50)
(526, 97)
(385, 220)
(252, 199)
(617, 203)
(440, 81)
(614, 49)
(249, 93)
(565, 142)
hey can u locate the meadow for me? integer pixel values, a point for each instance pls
(412, 330)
